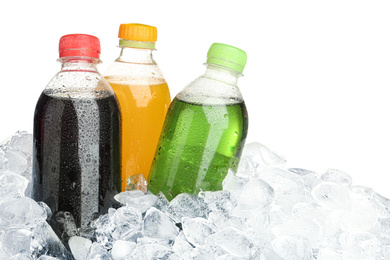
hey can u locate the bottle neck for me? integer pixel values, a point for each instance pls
(85, 64)
(222, 74)
(136, 55)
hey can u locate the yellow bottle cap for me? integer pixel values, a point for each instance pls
(136, 32)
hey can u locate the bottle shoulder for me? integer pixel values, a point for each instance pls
(206, 90)
(78, 84)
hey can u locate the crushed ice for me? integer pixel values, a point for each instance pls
(264, 212)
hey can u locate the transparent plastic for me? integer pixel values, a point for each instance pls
(76, 154)
(144, 99)
(202, 137)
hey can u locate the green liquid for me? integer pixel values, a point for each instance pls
(197, 146)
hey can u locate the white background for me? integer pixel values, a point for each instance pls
(316, 81)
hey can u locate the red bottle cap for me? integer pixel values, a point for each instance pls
(79, 45)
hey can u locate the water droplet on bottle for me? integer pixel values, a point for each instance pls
(73, 185)
(235, 133)
(225, 115)
(88, 78)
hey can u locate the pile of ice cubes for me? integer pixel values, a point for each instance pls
(264, 212)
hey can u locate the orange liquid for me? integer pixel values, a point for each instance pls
(143, 110)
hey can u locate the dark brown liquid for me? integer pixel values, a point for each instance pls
(76, 156)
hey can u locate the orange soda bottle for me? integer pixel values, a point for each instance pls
(143, 97)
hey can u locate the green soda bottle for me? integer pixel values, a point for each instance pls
(204, 130)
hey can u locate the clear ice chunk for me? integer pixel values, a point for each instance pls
(17, 161)
(122, 250)
(255, 157)
(137, 199)
(332, 196)
(80, 246)
(181, 244)
(288, 187)
(233, 183)
(45, 242)
(337, 176)
(197, 230)
(12, 186)
(22, 212)
(256, 194)
(186, 205)
(17, 241)
(304, 228)
(328, 254)
(160, 226)
(22, 141)
(234, 242)
(152, 252)
(98, 252)
(137, 182)
(219, 201)
(292, 248)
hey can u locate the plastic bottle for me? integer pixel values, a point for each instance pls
(76, 155)
(143, 97)
(205, 129)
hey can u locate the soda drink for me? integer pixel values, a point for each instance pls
(205, 129)
(76, 137)
(143, 97)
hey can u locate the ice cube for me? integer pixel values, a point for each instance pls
(197, 230)
(137, 182)
(362, 245)
(384, 234)
(186, 205)
(382, 205)
(304, 228)
(47, 257)
(181, 244)
(158, 225)
(45, 242)
(161, 201)
(221, 220)
(3, 162)
(17, 161)
(362, 216)
(17, 241)
(337, 176)
(310, 178)
(137, 199)
(22, 141)
(80, 247)
(122, 250)
(288, 187)
(219, 201)
(328, 254)
(292, 248)
(12, 186)
(362, 193)
(234, 242)
(46, 208)
(332, 196)
(24, 256)
(255, 157)
(127, 222)
(256, 194)
(152, 252)
(233, 183)
(98, 252)
(21, 212)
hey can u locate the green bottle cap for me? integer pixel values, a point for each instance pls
(227, 56)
